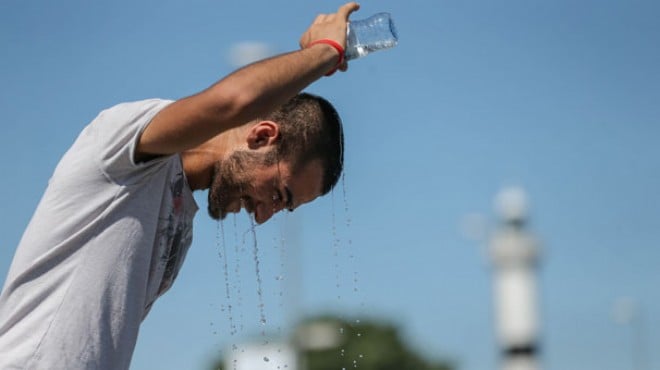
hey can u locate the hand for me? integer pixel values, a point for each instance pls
(330, 26)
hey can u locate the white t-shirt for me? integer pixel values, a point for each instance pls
(108, 237)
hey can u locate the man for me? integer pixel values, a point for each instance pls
(112, 229)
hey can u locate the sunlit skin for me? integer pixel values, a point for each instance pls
(264, 190)
(208, 127)
(232, 167)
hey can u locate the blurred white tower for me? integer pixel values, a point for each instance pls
(515, 257)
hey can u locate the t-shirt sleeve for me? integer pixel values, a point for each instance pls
(116, 133)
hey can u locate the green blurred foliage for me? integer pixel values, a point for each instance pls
(370, 346)
(364, 345)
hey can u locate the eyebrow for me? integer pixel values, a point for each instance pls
(289, 198)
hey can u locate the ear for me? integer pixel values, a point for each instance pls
(263, 134)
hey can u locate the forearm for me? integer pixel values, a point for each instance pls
(261, 87)
(248, 93)
(242, 96)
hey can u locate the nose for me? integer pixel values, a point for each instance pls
(265, 212)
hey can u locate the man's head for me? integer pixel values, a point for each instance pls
(294, 155)
(310, 129)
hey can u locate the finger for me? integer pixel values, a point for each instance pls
(320, 18)
(348, 8)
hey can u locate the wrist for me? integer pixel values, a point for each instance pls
(335, 45)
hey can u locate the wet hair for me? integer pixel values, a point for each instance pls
(311, 129)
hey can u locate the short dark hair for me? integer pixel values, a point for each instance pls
(311, 129)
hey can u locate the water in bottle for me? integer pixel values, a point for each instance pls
(367, 35)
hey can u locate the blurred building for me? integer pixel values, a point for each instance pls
(256, 356)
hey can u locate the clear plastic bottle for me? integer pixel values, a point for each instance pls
(368, 35)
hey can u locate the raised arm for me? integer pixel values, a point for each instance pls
(248, 93)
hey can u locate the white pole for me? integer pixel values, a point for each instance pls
(515, 256)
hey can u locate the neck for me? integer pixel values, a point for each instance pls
(198, 169)
(199, 162)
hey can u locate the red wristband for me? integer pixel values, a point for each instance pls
(337, 47)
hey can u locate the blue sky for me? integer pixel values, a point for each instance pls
(561, 98)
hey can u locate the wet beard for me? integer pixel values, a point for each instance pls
(222, 193)
(230, 180)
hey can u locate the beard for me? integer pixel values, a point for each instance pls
(232, 180)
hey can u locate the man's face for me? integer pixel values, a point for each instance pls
(247, 180)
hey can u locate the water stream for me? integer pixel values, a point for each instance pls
(260, 294)
(235, 257)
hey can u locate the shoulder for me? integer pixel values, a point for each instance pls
(138, 107)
